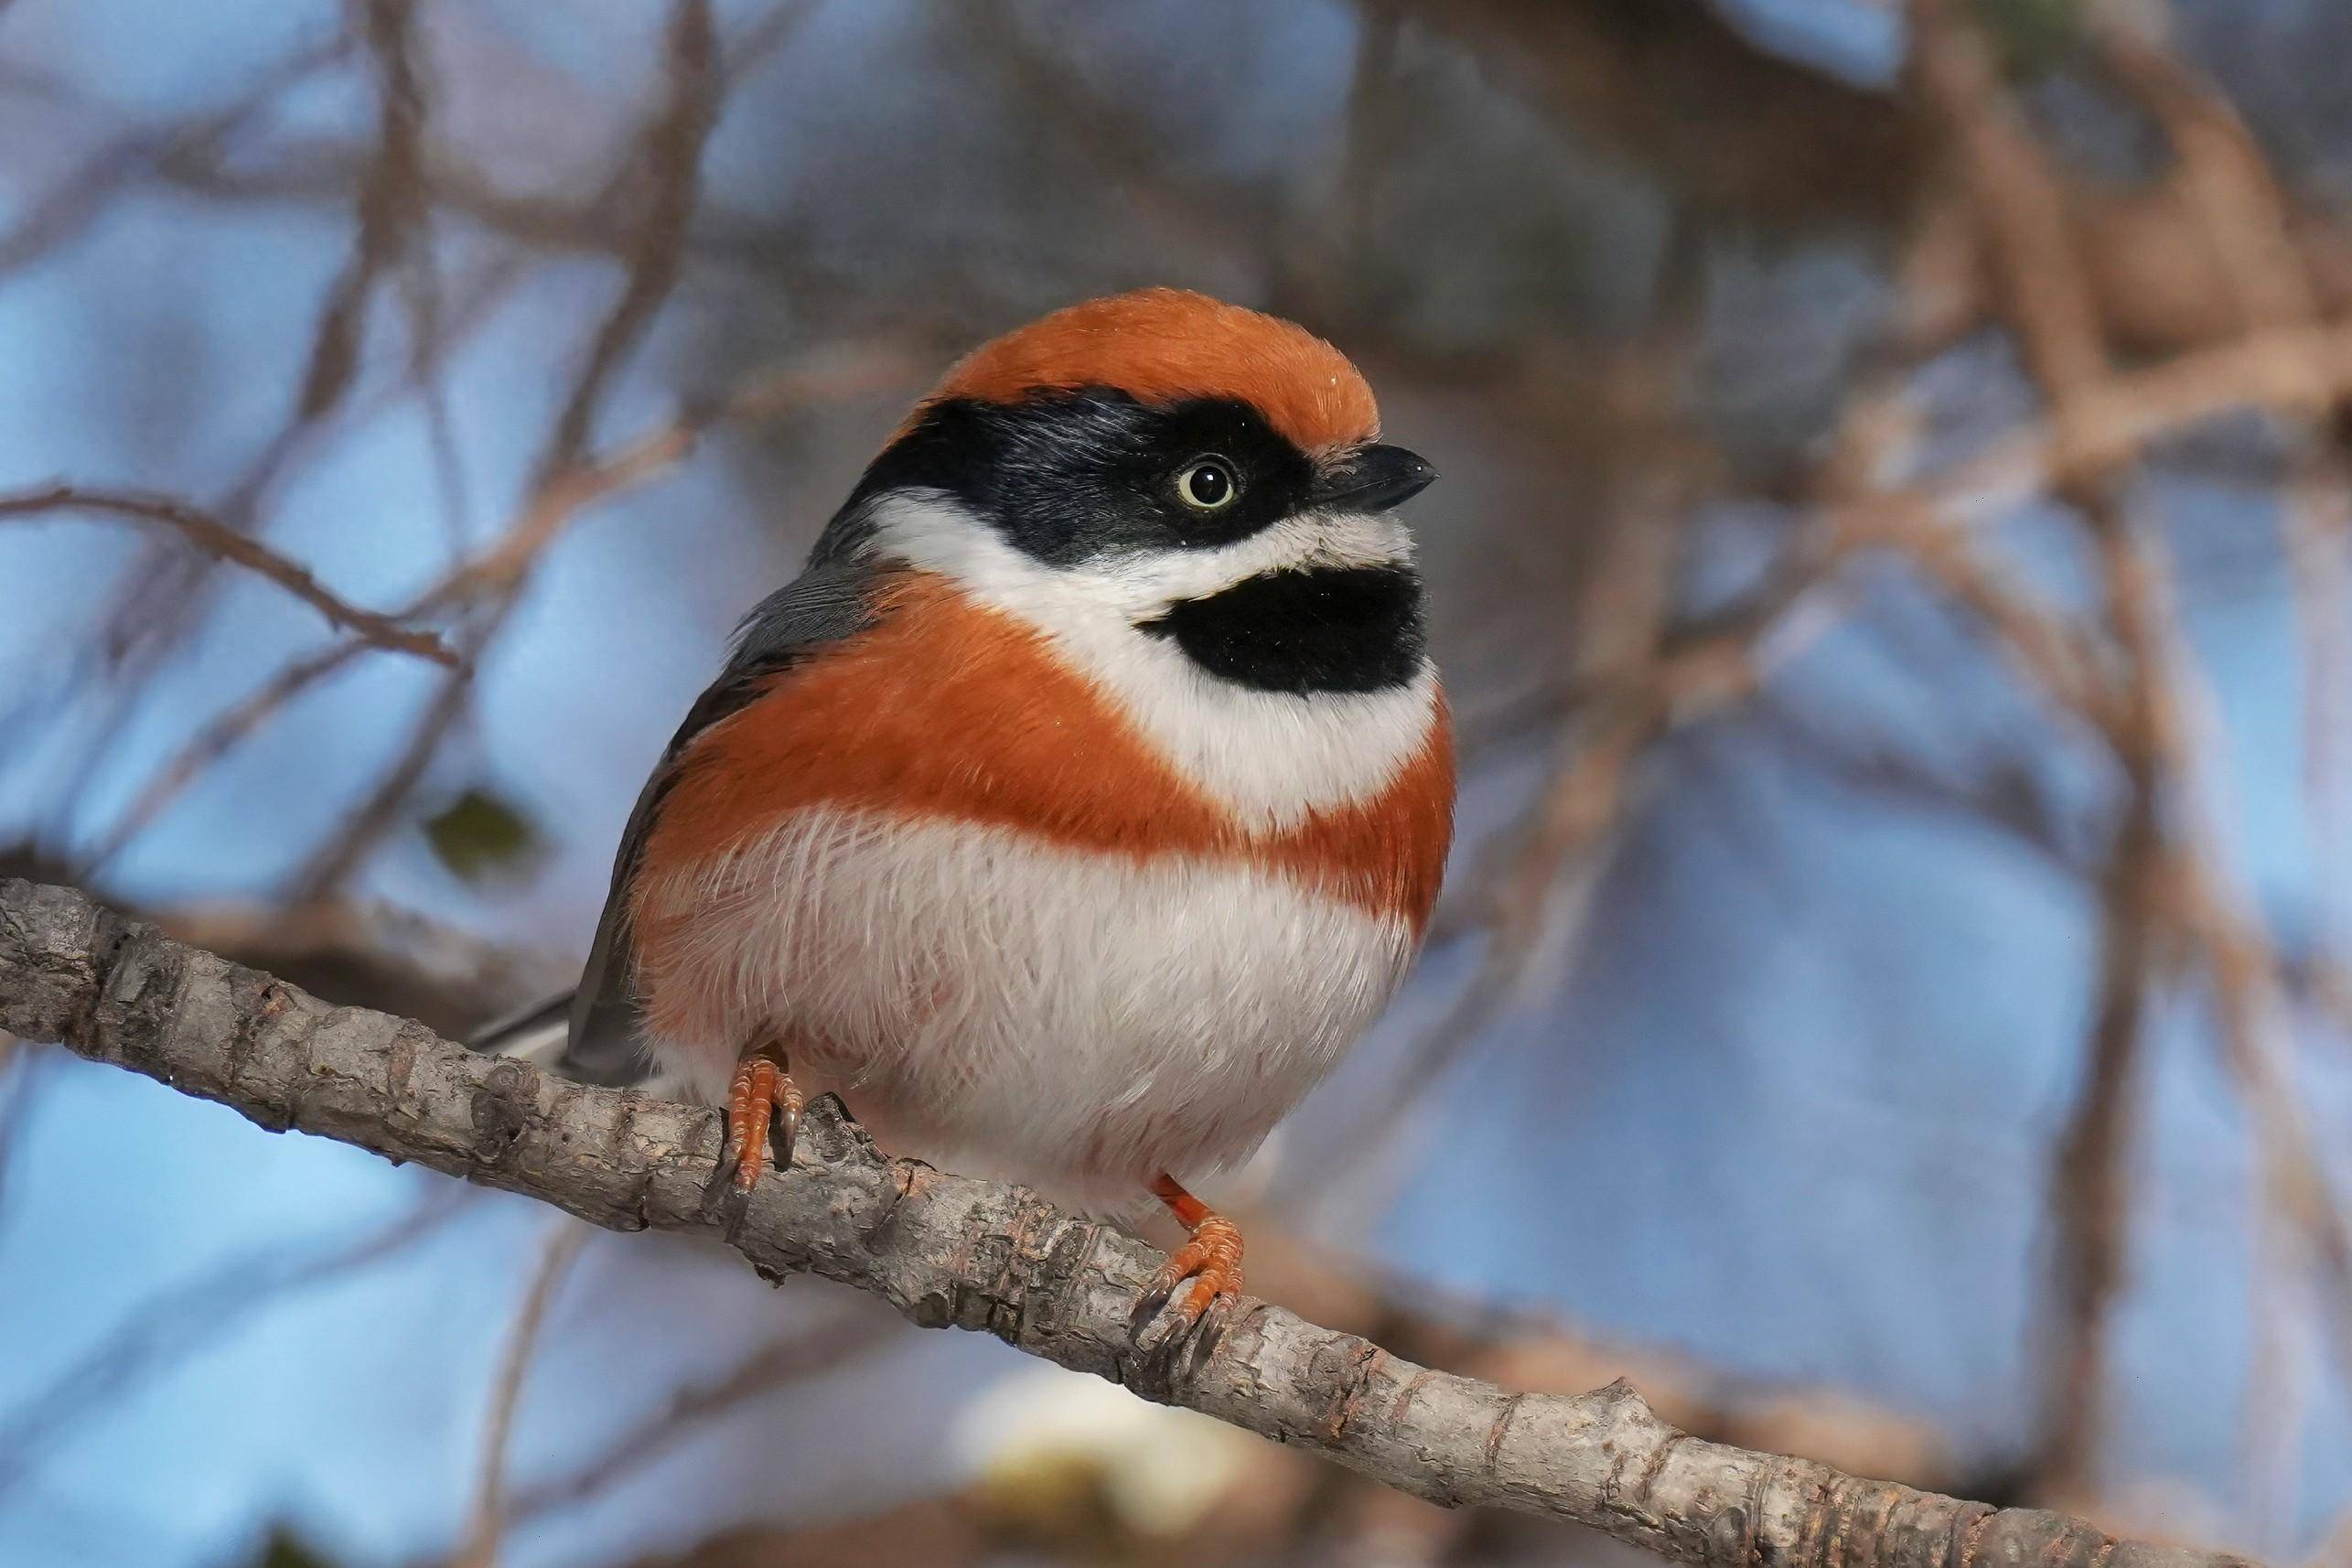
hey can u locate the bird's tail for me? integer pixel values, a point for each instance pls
(536, 1032)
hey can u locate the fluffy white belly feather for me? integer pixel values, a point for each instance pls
(1075, 1020)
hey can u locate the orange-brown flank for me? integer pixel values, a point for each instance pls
(1161, 345)
(946, 708)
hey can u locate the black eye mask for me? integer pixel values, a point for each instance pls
(1067, 476)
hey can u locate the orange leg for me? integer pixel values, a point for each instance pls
(1211, 1259)
(761, 1098)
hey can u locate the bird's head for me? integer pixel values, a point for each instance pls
(1165, 465)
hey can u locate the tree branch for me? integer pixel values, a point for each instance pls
(215, 537)
(946, 1250)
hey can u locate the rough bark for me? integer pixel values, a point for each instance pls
(951, 1251)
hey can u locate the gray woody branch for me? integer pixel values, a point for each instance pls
(949, 1251)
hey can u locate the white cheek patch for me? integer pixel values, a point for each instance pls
(1270, 756)
(1145, 586)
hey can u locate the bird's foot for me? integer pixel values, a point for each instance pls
(1203, 1278)
(762, 1103)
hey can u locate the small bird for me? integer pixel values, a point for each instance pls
(1081, 803)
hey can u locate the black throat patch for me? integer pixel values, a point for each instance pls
(1326, 629)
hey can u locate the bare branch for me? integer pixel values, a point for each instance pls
(2164, 882)
(771, 1366)
(217, 538)
(1672, 85)
(668, 159)
(2032, 634)
(497, 572)
(209, 744)
(946, 1250)
(2113, 419)
(67, 210)
(391, 206)
(2047, 298)
(565, 1238)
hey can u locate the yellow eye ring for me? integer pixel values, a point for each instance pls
(1209, 484)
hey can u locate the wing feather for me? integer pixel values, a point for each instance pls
(831, 601)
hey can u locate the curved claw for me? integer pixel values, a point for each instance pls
(1209, 1332)
(786, 1130)
(1211, 1259)
(1148, 1307)
(763, 1107)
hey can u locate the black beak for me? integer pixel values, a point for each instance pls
(1373, 478)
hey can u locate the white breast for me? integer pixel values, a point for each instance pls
(1067, 1018)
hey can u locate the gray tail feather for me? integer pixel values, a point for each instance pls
(536, 1032)
(541, 1033)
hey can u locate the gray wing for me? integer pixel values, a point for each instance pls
(832, 600)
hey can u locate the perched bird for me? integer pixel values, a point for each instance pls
(1084, 798)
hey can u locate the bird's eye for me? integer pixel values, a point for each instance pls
(1207, 484)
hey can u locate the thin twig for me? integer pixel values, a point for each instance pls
(209, 746)
(668, 157)
(2244, 217)
(669, 161)
(215, 537)
(2294, 370)
(497, 573)
(2166, 875)
(67, 210)
(155, 611)
(392, 201)
(772, 1367)
(487, 1522)
(2045, 291)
